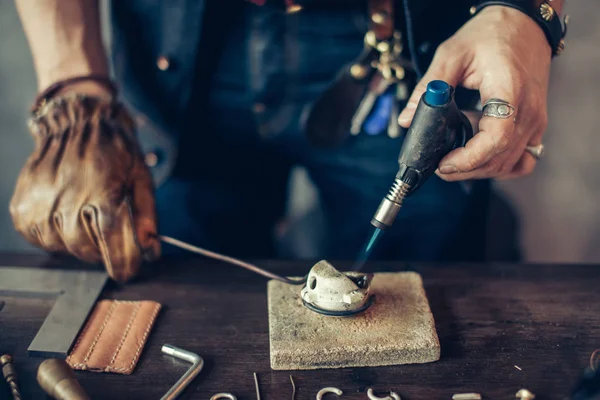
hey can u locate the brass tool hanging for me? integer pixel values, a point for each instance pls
(366, 95)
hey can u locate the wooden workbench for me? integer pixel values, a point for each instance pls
(501, 328)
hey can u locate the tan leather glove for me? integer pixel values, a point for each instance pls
(85, 190)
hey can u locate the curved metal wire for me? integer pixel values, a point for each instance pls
(231, 260)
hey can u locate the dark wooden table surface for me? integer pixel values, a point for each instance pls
(501, 328)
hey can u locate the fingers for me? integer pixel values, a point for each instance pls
(70, 225)
(474, 118)
(491, 152)
(448, 65)
(144, 212)
(523, 167)
(111, 228)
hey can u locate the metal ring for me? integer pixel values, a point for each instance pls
(536, 151)
(392, 396)
(227, 396)
(498, 108)
(326, 390)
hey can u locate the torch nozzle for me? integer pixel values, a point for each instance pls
(390, 205)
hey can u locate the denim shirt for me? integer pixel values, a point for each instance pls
(156, 44)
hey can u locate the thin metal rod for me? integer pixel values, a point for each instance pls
(231, 260)
(188, 376)
(256, 384)
(293, 388)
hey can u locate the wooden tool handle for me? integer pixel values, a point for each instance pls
(58, 380)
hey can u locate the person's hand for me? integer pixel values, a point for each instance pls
(504, 54)
(85, 190)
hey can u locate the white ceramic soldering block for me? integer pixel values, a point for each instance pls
(397, 329)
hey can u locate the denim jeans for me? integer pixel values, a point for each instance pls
(259, 71)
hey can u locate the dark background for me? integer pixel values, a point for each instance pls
(557, 206)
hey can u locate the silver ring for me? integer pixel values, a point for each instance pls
(498, 108)
(227, 396)
(536, 151)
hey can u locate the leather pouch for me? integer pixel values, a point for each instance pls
(114, 336)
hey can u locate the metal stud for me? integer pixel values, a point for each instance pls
(546, 11)
(163, 63)
(294, 8)
(379, 17)
(151, 159)
(561, 47)
(358, 71)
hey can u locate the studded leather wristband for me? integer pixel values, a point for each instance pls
(544, 15)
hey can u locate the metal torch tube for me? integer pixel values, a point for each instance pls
(390, 205)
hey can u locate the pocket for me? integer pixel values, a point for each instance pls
(325, 41)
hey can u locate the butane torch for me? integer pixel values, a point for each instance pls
(437, 128)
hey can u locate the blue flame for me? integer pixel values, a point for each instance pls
(366, 251)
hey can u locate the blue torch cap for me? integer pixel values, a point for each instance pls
(438, 93)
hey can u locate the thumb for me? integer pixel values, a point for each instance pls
(445, 66)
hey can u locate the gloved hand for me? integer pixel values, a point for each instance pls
(85, 190)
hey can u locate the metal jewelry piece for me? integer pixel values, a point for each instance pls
(536, 151)
(525, 394)
(326, 390)
(188, 376)
(466, 396)
(595, 360)
(498, 108)
(392, 396)
(227, 396)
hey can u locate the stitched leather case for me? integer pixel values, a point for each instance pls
(114, 336)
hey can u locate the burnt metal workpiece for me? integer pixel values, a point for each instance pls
(76, 293)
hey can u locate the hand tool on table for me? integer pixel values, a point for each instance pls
(10, 375)
(58, 380)
(75, 293)
(437, 128)
(188, 376)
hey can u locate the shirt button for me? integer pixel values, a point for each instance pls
(163, 63)
(141, 121)
(259, 108)
(424, 47)
(151, 159)
(472, 10)
(294, 8)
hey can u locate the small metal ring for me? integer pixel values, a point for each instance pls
(392, 396)
(498, 108)
(227, 396)
(347, 313)
(536, 151)
(326, 390)
(595, 360)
